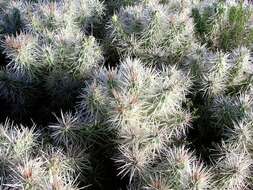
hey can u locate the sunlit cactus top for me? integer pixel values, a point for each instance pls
(158, 31)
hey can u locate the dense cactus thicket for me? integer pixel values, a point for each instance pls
(126, 94)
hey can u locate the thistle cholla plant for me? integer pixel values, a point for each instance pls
(223, 72)
(55, 48)
(223, 24)
(27, 163)
(55, 51)
(184, 79)
(218, 73)
(155, 31)
(145, 108)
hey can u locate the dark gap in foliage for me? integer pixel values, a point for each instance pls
(203, 136)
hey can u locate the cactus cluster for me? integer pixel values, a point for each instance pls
(224, 25)
(27, 163)
(126, 94)
(143, 106)
(53, 53)
(156, 31)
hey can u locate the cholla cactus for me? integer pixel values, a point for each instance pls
(179, 170)
(53, 50)
(28, 174)
(217, 74)
(157, 31)
(234, 116)
(175, 113)
(223, 73)
(53, 16)
(242, 67)
(21, 50)
(224, 24)
(144, 106)
(67, 130)
(240, 135)
(71, 51)
(25, 165)
(233, 169)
